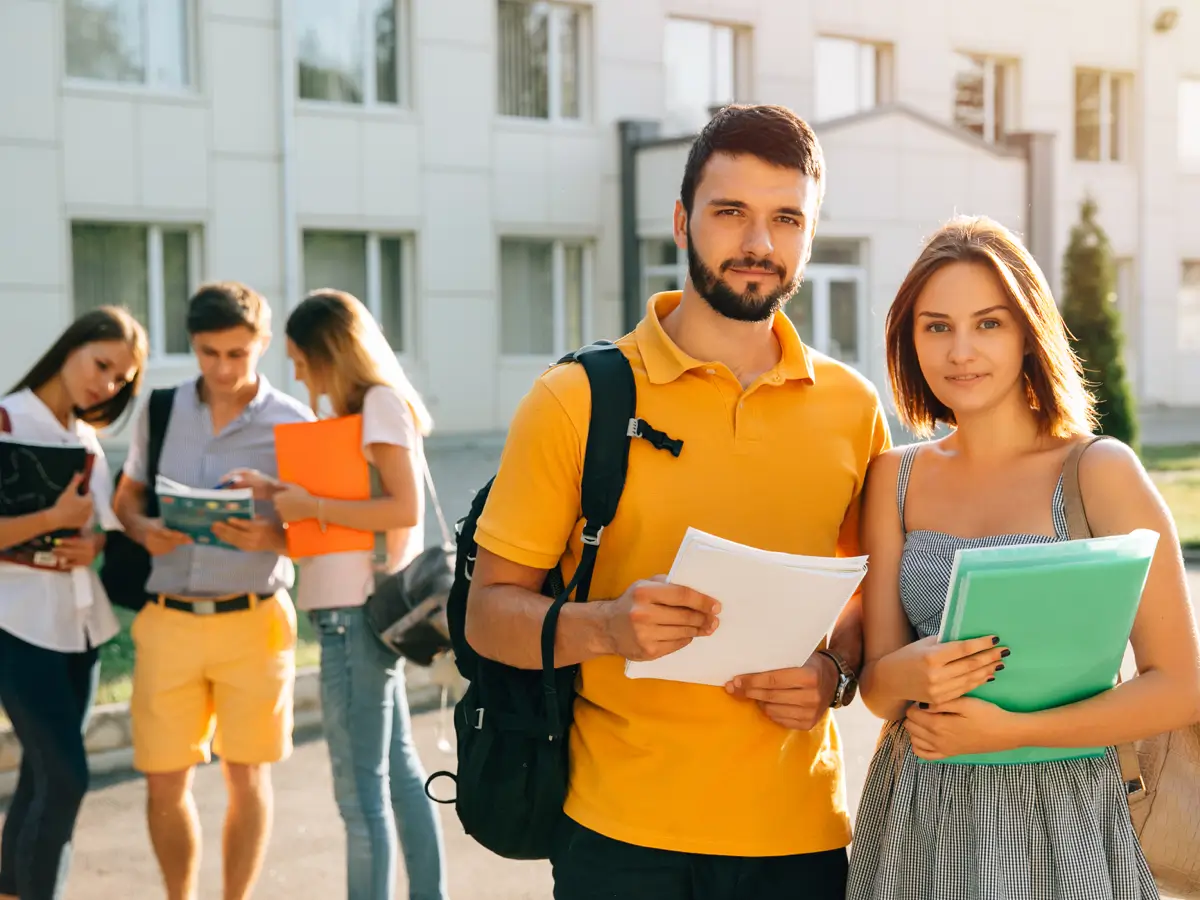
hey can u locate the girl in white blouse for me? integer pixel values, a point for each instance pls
(55, 614)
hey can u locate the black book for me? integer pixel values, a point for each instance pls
(32, 477)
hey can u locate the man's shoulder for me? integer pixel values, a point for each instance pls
(569, 384)
(281, 407)
(847, 382)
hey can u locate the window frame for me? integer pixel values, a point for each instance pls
(156, 312)
(374, 278)
(366, 36)
(1188, 305)
(1009, 120)
(558, 268)
(1110, 80)
(743, 59)
(191, 44)
(885, 55)
(583, 77)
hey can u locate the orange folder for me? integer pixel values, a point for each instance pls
(326, 459)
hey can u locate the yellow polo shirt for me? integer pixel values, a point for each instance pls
(779, 465)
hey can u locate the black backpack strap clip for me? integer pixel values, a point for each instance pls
(640, 428)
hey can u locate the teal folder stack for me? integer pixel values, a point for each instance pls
(1064, 609)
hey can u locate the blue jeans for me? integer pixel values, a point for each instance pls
(378, 779)
(48, 697)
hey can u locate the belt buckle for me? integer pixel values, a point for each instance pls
(204, 607)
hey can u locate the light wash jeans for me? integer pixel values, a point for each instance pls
(378, 779)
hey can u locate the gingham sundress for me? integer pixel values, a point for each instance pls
(1038, 831)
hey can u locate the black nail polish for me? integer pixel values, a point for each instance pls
(995, 641)
(923, 706)
(999, 667)
(1004, 654)
(992, 678)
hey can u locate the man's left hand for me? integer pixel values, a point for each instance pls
(794, 698)
(250, 535)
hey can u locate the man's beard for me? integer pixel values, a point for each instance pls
(750, 306)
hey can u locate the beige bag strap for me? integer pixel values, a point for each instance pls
(1078, 528)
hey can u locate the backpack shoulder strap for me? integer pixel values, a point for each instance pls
(159, 412)
(1078, 527)
(612, 425)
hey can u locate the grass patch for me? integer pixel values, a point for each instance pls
(1176, 471)
(1181, 490)
(1172, 458)
(116, 657)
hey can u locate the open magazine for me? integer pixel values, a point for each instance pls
(192, 511)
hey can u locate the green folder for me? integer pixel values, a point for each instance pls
(1064, 609)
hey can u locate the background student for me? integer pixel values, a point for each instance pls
(53, 620)
(340, 354)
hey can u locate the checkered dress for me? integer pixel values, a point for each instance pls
(1039, 831)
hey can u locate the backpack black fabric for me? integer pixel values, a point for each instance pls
(512, 724)
(126, 565)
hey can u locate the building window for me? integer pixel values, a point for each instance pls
(664, 266)
(151, 270)
(545, 296)
(543, 60)
(377, 269)
(130, 41)
(1189, 123)
(851, 77)
(1102, 103)
(1189, 306)
(829, 310)
(705, 67)
(985, 95)
(349, 51)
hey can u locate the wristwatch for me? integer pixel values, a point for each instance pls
(847, 685)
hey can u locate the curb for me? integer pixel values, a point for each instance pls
(109, 735)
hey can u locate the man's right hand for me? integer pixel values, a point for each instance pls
(653, 618)
(160, 540)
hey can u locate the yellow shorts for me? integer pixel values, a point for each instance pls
(227, 679)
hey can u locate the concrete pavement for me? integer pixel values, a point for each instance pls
(306, 855)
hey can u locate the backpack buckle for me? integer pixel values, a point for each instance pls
(592, 536)
(633, 429)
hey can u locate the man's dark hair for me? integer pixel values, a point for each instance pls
(774, 134)
(222, 305)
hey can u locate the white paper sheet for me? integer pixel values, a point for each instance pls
(775, 609)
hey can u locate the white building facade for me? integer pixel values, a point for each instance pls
(459, 164)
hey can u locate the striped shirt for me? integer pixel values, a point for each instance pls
(194, 456)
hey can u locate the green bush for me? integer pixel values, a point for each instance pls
(1090, 310)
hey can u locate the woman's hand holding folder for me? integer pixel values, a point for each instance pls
(962, 726)
(927, 671)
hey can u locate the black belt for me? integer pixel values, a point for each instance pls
(211, 606)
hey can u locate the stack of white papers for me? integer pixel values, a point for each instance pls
(775, 608)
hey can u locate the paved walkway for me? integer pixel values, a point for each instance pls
(306, 856)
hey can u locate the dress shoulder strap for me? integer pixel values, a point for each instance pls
(906, 464)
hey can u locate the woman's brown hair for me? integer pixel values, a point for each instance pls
(1053, 373)
(342, 343)
(105, 323)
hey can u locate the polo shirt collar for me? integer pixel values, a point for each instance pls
(665, 361)
(260, 397)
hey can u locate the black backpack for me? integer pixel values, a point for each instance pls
(512, 724)
(126, 565)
